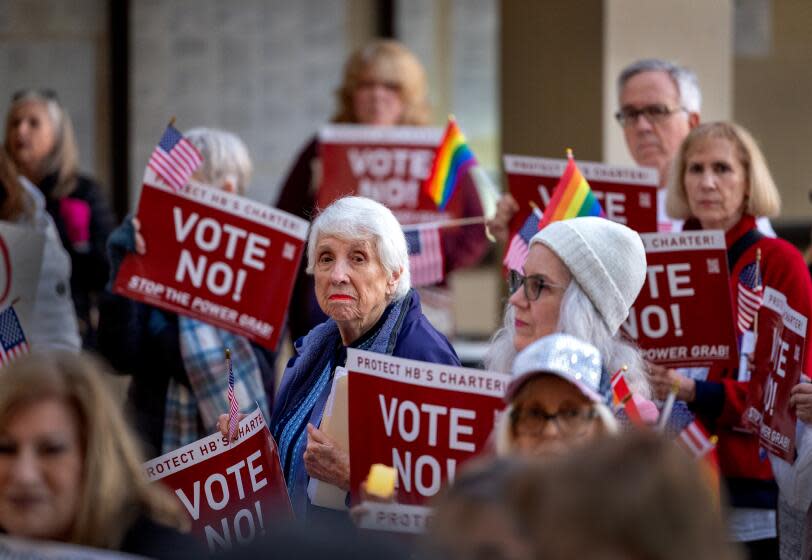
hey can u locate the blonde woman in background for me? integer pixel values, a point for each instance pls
(383, 84)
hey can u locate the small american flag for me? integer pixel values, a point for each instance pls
(426, 263)
(520, 244)
(234, 407)
(12, 339)
(174, 159)
(695, 439)
(750, 296)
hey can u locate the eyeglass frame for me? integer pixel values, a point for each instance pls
(587, 415)
(514, 285)
(652, 117)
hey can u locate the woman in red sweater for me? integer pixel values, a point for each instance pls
(720, 180)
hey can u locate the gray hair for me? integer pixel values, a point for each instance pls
(685, 79)
(225, 157)
(577, 317)
(356, 217)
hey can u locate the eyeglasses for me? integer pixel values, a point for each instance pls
(533, 284)
(533, 420)
(654, 114)
(46, 93)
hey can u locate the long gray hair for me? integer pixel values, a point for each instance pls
(577, 317)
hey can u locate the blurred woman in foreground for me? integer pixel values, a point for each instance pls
(70, 469)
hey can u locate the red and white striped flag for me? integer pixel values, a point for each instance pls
(426, 262)
(174, 159)
(695, 439)
(234, 407)
(750, 296)
(622, 397)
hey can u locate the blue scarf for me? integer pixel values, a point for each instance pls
(319, 351)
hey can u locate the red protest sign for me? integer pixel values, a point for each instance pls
(386, 164)
(628, 195)
(778, 359)
(423, 419)
(217, 257)
(231, 491)
(683, 315)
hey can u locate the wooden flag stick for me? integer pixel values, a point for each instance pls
(448, 223)
(668, 407)
(758, 285)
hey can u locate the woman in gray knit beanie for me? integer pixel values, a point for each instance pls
(581, 277)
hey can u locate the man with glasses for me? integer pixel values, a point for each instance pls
(659, 104)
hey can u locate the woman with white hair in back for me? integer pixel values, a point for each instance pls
(178, 388)
(357, 253)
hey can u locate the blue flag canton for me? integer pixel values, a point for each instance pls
(11, 333)
(170, 138)
(530, 227)
(749, 276)
(413, 241)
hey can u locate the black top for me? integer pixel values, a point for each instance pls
(86, 244)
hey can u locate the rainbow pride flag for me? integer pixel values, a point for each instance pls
(452, 160)
(571, 198)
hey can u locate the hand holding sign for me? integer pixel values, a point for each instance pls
(325, 460)
(214, 256)
(140, 244)
(801, 400)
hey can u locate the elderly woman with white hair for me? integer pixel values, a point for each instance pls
(178, 388)
(581, 277)
(358, 255)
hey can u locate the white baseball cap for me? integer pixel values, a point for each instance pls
(561, 355)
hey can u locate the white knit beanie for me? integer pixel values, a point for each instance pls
(607, 260)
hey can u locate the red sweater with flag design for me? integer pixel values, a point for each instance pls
(720, 401)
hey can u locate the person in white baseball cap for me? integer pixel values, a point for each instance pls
(554, 400)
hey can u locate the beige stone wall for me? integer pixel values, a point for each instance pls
(773, 99)
(62, 46)
(695, 33)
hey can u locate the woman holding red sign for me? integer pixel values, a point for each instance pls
(384, 84)
(176, 362)
(357, 255)
(720, 180)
